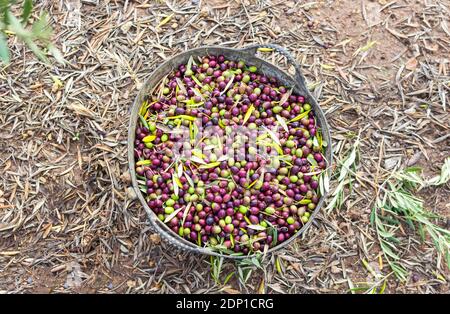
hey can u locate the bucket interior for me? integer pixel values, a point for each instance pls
(264, 67)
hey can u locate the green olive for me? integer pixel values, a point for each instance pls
(277, 109)
(290, 144)
(243, 209)
(212, 157)
(168, 210)
(269, 210)
(224, 173)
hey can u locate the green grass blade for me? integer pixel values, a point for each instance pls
(27, 9)
(4, 50)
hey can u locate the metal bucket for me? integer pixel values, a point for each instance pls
(246, 54)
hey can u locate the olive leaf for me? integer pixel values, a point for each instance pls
(149, 138)
(189, 179)
(39, 34)
(300, 116)
(169, 218)
(180, 170)
(181, 86)
(196, 81)
(282, 122)
(144, 122)
(230, 82)
(197, 160)
(4, 52)
(444, 176)
(189, 64)
(272, 135)
(56, 53)
(248, 114)
(175, 185)
(257, 227)
(144, 162)
(285, 97)
(165, 21)
(183, 117)
(210, 165)
(198, 93)
(186, 212)
(27, 8)
(311, 160)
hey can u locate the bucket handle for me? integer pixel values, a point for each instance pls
(252, 49)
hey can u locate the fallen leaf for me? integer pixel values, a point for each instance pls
(411, 64)
(165, 21)
(126, 27)
(155, 238)
(82, 110)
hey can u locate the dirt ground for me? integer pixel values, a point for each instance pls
(68, 222)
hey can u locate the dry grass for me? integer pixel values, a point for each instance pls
(68, 223)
